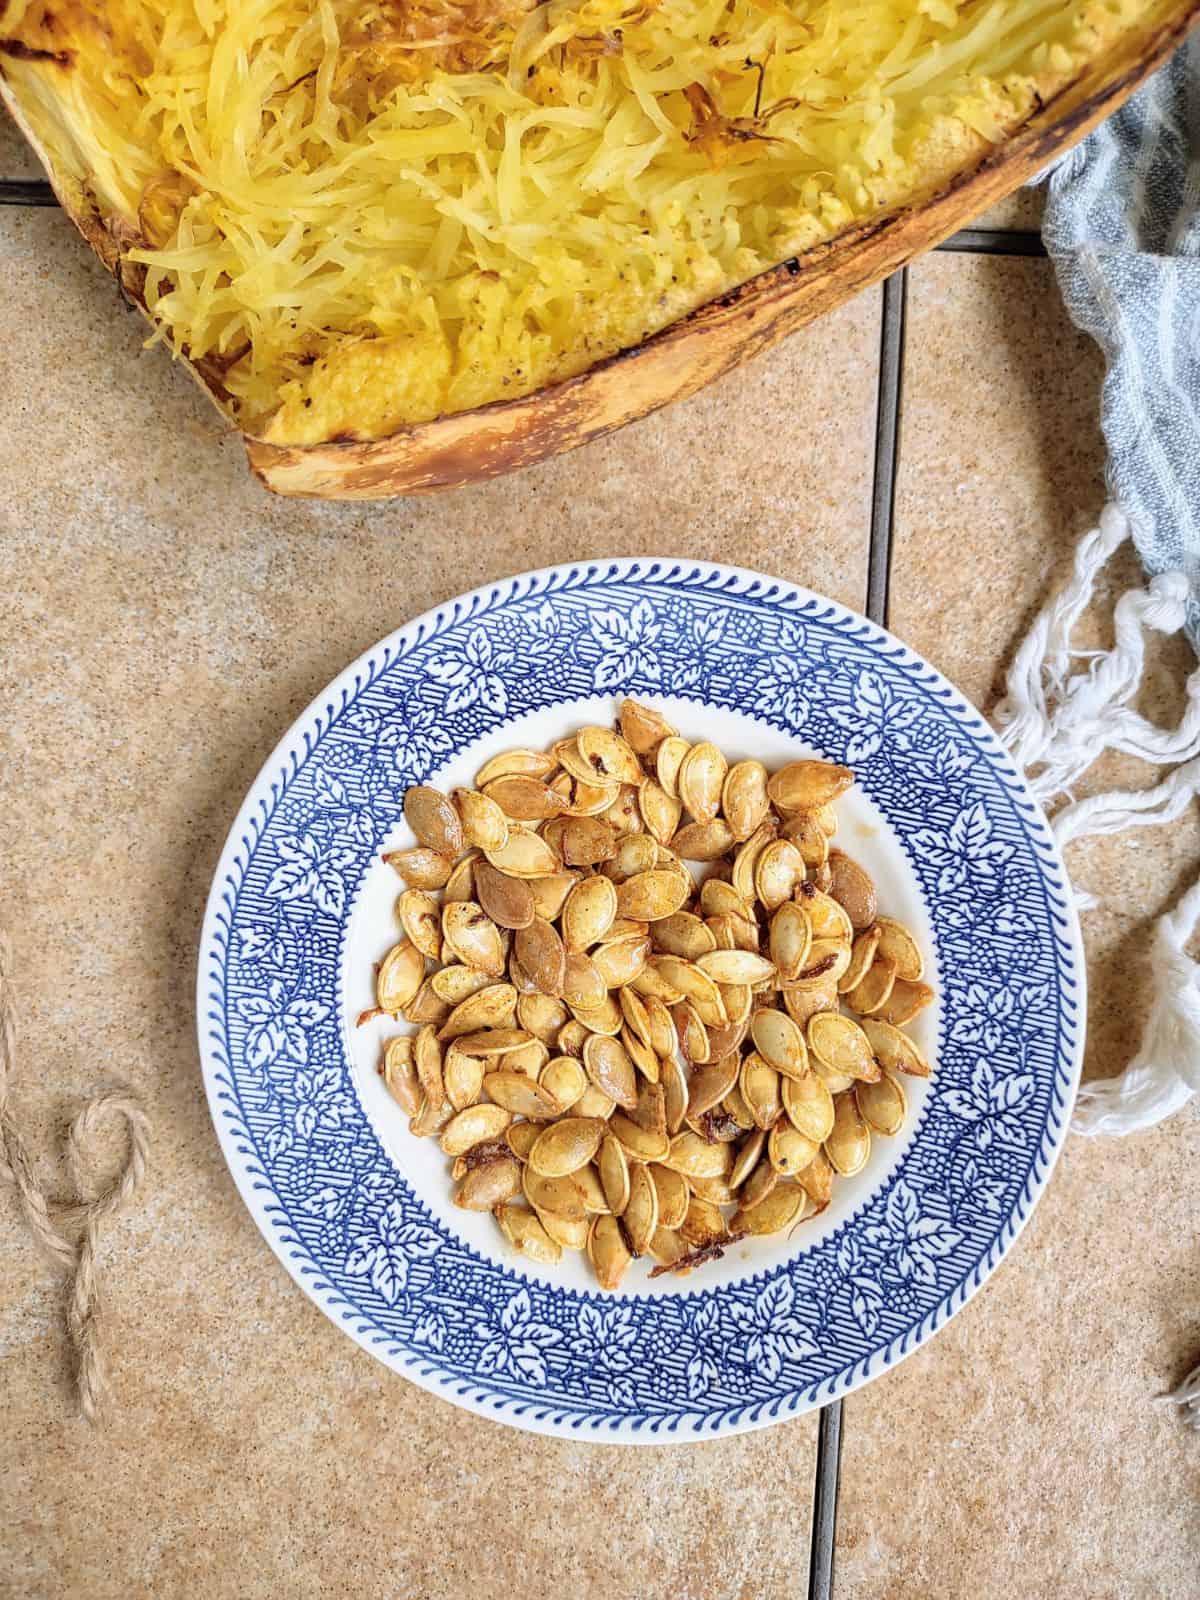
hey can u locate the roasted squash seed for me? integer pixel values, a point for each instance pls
(615, 1060)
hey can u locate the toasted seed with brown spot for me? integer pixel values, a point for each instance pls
(610, 1068)
(421, 921)
(491, 1007)
(703, 1223)
(827, 960)
(806, 785)
(484, 824)
(426, 1006)
(848, 1144)
(525, 799)
(427, 1057)
(539, 949)
(809, 837)
(777, 871)
(561, 1197)
(899, 945)
(524, 1231)
(608, 1252)
(703, 841)
(623, 814)
(472, 1126)
(777, 1210)
(565, 1080)
(608, 756)
(508, 901)
(809, 1107)
(696, 1157)
(588, 912)
(874, 989)
(400, 976)
(582, 986)
(779, 1040)
(533, 763)
(400, 1073)
(667, 762)
(565, 1146)
(852, 888)
(842, 1045)
(618, 961)
(640, 1216)
(748, 1156)
(484, 1188)
(520, 1137)
(711, 1084)
(660, 811)
(642, 727)
(520, 1095)
(700, 780)
(524, 854)
(421, 868)
(788, 1150)
(817, 1180)
(760, 1183)
(736, 967)
(759, 1084)
(473, 937)
(894, 1050)
(463, 1077)
(881, 1105)
(862, 953)
(905, 1000)
(744, 798)
(614, 1173)
(675, 1091)
(651, 896)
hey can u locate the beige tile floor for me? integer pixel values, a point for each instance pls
(1017, 1454)
(161, 620)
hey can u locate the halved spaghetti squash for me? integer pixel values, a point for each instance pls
(397, 239)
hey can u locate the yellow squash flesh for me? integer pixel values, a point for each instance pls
(406, 244)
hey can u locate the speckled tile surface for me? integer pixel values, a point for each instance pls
(162, 620)
(1021, 210)
(1019, 1453)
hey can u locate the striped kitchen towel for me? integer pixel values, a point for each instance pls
(1123, 227)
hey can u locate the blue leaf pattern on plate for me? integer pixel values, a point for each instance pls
(702, 1360)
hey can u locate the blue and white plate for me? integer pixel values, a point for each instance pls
(359, 1211)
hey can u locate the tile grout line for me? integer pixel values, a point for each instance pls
(887, 444)
(827, 1474)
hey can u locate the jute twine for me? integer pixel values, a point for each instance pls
(68, 1231)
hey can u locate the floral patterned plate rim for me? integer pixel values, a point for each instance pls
(356, 1209)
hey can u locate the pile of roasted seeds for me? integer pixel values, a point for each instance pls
(620, 1055)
